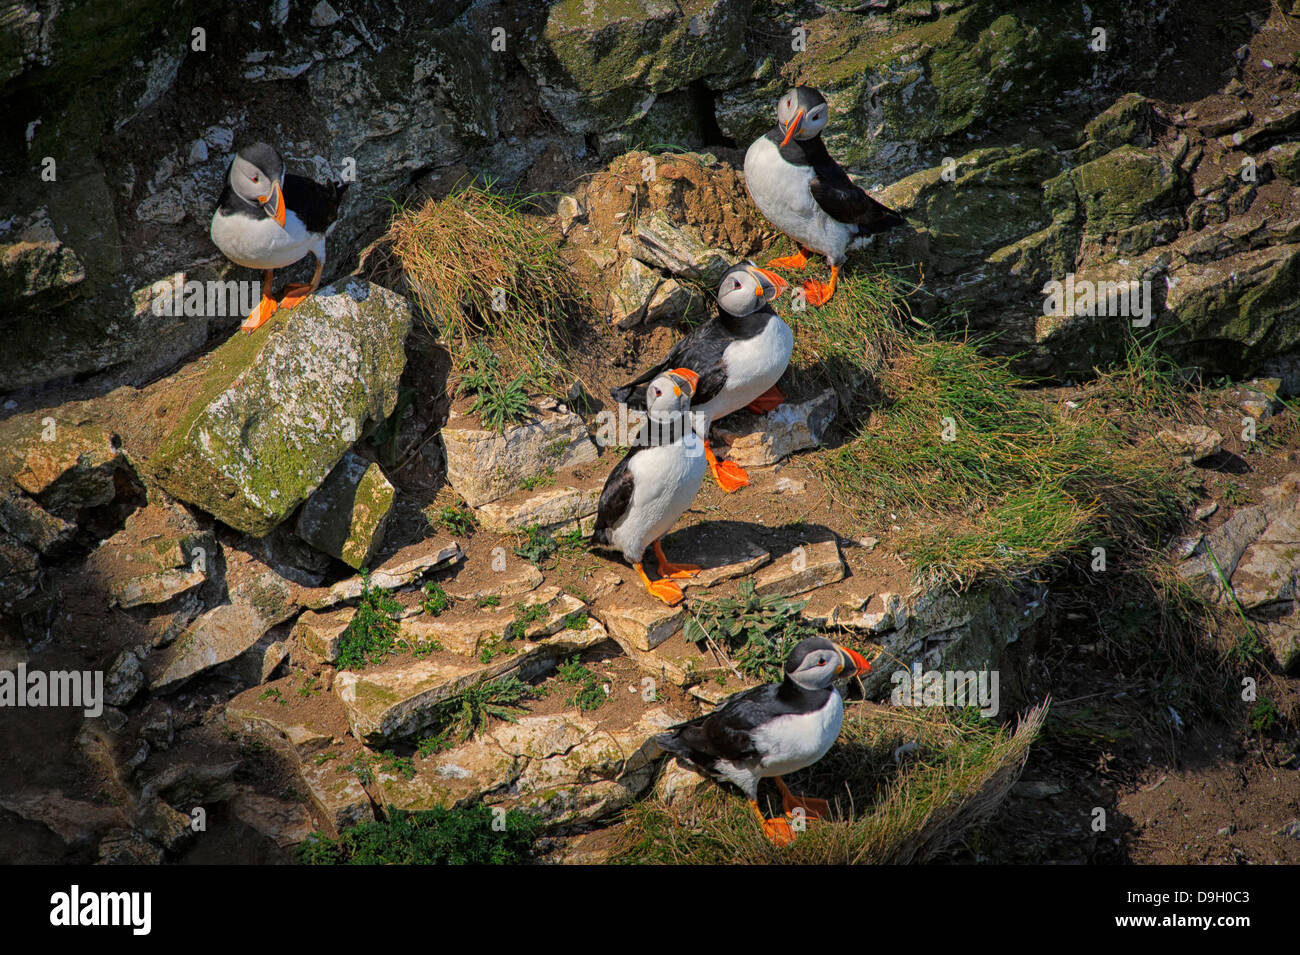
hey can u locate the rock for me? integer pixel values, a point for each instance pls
(297, 742)
(324, 15)
(339, 799)
(807, 567)
(405, 567)
(1269, 568)
(465, 632)
(279, 408)
(1195, 443)
(568, 212)
(638, 620)
(285, 823)
(127, 847)
(1214, 560)
(257, 603)
(629, 298)
(724, 550)
(163, 825)
(758, 440)
(398, 700)
(484, 466)
(74, 821)
(555, 510)
(321, 634)
(672, 302)
(1283, 638)
(124, 679)
(678, 250)
(19, 571)
(37, 267)
(345, 517)
(787, 485)
(30, 524)
(65, 466)
(258, 663)
(159, 554)
(519, 577)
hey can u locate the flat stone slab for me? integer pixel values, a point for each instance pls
(398, 700)
(805, 568)
(155, 588)
(464, 633)
(64, 465)
(639, 620)
(1269, 568)
(320, 634)
(722, 549)
(519, 577)
(760, 440)
(336, 794)
(405, 567)
(553, 509)
(484, 466)
(30, 523)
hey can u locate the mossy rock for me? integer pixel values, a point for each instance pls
(278, 408)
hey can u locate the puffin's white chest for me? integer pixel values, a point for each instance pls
(753, 366)
(665, 481)
(260, 242)
(789, 743)
(780, 190)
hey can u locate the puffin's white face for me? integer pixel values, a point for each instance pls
(255, 184)
(802, 114)
(746, 287)
(668, 398)
(818, 662)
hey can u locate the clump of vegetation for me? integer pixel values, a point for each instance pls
(883, 811)
(365, 763)
(435, 598)
(525, 616)
(469, 710)
(455, 520)
(370, 636)
(431, 837)
(540, 545)
(587, 691)
(994, 479)
(757, 631)
(484, 271)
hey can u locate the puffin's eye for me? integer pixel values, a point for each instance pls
(735, 283)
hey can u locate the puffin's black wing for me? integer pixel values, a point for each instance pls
(614, 498)
(727, 732)
(840, 197)
(700, 351)
(315, 204)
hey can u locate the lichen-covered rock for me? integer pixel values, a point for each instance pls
(553, 509)
(347, 514)
(678, 249)
(35, 266)
(278, 408)
(600, 65)
(486, 465)
(31, 524)
(758, 440)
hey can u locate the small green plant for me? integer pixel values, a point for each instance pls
(577, 620)
(535, 481)
(538, 546)
(525, 615)
(491, 600)
(362, 766)
(310, 686)
(455, 520)
(759, 630)
(500, 404)
(469, 710)
(432, 745)
(1264, 715)
(369, 637)
(469, 836)
(402, 766)
(435, 598)
(588, 692)
(273, 694)
(1235, 494)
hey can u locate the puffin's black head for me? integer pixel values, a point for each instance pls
(801, 114)
(745, 288)
(256, 174)
(816, 663)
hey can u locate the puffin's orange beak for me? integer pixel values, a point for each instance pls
(274, 204)
(794, 127)
(858, 660)
(688, 376)
(778, 283)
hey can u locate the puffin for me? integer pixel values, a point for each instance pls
(802, 191)
(739, 355)
(267, 219)
(772, 730)
(654, 484)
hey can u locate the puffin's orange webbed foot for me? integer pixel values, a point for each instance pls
(768, 400)
(819, 293)
(260, 315)
(812, 808)
(778, 831)
(295, 295)
(665, 590)
(796, 261)
(668, 569)
(730, 476)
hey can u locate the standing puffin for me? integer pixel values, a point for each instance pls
(654, 484)
(740, 354)
(803, 191)
(268, 220)
(772, 730)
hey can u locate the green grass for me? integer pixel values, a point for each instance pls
(435, 598)
(431, 837)
(986, 477)
(371, 634)
(486, 271)
(455, 520)
(587, 691)
(882, 812)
